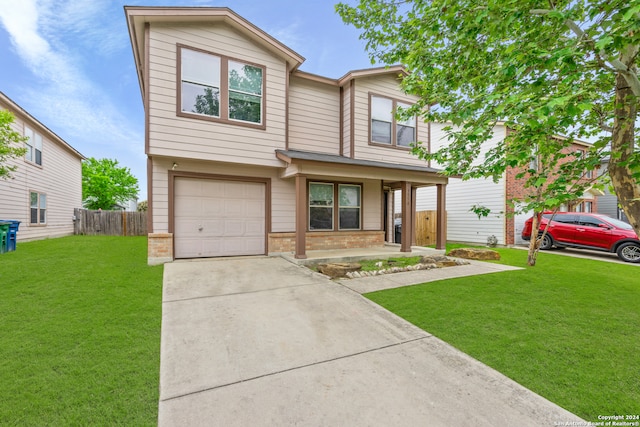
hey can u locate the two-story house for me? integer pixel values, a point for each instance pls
(502, 223)
(47, 184)
(249, 155)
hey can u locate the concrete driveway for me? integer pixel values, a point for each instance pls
(263, 342)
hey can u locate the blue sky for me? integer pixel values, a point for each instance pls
(69, 63)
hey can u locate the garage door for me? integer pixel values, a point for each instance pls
(218, 218)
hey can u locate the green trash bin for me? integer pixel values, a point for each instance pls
(4, 236)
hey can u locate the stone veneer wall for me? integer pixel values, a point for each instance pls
(324, 240)
(160, 248)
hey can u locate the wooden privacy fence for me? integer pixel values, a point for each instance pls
(109, 223)
(426, 227)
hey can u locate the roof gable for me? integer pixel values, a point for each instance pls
(17, 110)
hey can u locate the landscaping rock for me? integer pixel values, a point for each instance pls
(473, 253)
(338, 269)
(433, 259)
(447, 263)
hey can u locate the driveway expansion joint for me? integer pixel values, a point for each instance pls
(201, 297)
(372, 350)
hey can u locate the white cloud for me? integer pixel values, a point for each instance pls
(289, 35)
(20, 18)
(43, 34)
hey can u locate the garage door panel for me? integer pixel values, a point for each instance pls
(255, 209)
(254, 228)
(212, 207)
(187, 205)
(234, 208)
(218, 218)
(242, 246)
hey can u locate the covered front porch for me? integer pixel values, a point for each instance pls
(307, 167)
(389, 250)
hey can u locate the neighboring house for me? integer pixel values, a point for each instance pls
(608, 203)
(130, 205)
(248, 155)
(464, 225)
(47, 184)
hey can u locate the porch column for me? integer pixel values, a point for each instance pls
(414, 197)
(301, 217)
(407, 220)
(441, 221)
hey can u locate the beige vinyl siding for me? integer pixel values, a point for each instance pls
(463, 225)
(282, 191)
(372, 205)
(170, 135)
(314, 116)
(59, 177)
(389, 86)
(346, 122)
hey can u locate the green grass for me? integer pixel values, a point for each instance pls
(568, 328)
(370, 265)
(79, 333)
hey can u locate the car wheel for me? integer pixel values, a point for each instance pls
(546, 242)
(629, 252)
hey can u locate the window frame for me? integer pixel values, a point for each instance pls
(331, 206)
(40, 211)
(34, 139)
(395, 123)
(335, 205)
(224, 90)
(340, 206)
(588, 173)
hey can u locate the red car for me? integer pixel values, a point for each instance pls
(587, 231)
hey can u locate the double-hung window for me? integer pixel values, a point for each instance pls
(219, 88)
(322, 206)
(33, 145)
(349, 206)
(385, 128)
(38, 207)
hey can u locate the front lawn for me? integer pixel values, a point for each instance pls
(568, 329)
(79, 332)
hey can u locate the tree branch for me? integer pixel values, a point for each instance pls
(618, 65)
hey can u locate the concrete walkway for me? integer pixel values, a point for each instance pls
(263, 342)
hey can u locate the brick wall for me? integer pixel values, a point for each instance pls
(159, 248)
(515, 190)
(324, 240)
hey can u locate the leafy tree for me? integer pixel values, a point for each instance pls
(561, 67)
(143, 206)
(10, 144)
(209, 103)
(245, 88)
(105, 184)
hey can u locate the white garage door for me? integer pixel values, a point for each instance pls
(218, 218)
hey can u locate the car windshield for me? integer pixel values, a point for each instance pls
(616, 222)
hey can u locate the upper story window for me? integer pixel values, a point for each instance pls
(587, 173)
(385, 128)
(219, 88)
(33, 145)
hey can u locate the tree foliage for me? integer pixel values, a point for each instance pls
(11, 144)
(105, 184)
(565, 67)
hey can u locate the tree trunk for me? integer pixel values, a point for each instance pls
(622, 142)
(533, 243)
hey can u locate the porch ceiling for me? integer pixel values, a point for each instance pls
(328, 165)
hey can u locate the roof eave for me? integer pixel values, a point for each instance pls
(138, 16)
